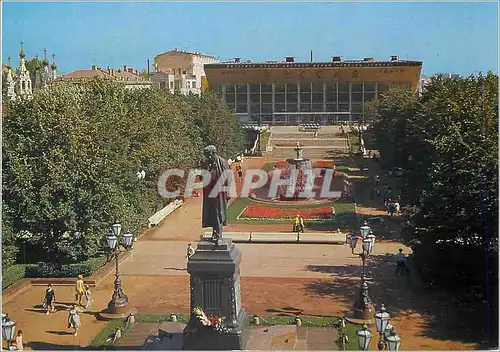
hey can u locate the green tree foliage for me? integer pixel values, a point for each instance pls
(451, 180)
(71, 154)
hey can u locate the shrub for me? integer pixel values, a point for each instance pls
(45, 270)
(12, 274)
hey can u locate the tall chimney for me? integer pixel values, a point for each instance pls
(148, 67)
(311, 56)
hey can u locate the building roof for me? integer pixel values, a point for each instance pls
(118, 75)
(185, 52)
(336, 64)
(86, 74)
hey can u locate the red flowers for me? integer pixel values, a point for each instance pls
(323, 164)
(261, 212)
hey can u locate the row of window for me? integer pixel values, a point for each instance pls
(300, 97)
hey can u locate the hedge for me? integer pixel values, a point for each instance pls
(19, 271)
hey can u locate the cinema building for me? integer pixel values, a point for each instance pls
(291, 93)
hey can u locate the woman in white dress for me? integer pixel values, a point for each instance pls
(74, 319)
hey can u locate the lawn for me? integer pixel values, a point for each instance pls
(307, 321)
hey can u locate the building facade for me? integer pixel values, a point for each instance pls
(187, 68)
(291, 93)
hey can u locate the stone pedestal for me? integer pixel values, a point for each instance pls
(215, 288)
(363, 312)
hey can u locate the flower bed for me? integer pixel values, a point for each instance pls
(261, 212)
(323, 164)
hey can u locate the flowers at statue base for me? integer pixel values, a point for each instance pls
(261, 212)
(217, 325)
(214, 322)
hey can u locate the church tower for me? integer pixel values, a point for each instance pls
(24, 88)
(11, 85)
(46, 70)
(53, 67)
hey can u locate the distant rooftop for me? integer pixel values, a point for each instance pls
(185, 52)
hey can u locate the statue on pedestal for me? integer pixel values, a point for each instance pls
(215, 201)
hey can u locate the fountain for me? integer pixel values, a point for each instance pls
(300, 177)
(303, 178)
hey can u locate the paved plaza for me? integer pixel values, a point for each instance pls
(319, 279)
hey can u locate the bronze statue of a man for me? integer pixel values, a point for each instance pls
(215, 201)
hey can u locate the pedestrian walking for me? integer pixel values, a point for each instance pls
(240, 172)
(377, 192)
(401, 263)
(316, 134)
(190, 251)
(74, 319)
(302, 227)
(397, 207)
(79, 289)
(377, 180)
(49, 299)
(19, 340)
(333, 213)
(296, 224)
(88, 297)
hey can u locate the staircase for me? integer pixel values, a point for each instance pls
(327, 144)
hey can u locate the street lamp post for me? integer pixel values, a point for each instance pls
(393, 341)
(367, 249)
(365, 230)
(8, 329)
(381, 320)
(364, 338)
(119, 300)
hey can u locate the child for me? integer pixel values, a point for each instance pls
(50, 298)
(74, 319)
(19, 340)
(88, 296)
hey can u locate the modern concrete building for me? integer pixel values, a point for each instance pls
(183, 63)
(291, 93)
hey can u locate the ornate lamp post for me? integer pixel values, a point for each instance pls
(8, 329)
(381, 320)
(367, 249)
(393, 341)
(365, 230)
(364, 338)
(119, 300)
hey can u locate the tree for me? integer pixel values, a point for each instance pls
(71, 154)
(451, 183)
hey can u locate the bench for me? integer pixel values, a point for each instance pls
(163, 213)
(309, 127)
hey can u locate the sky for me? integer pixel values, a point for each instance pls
(448, 37)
